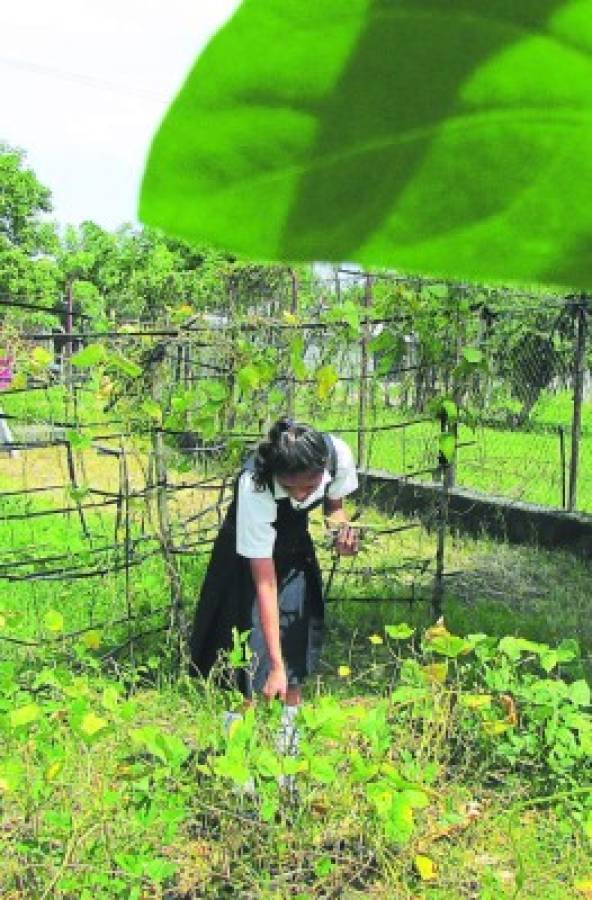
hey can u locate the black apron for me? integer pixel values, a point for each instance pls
(228, 598)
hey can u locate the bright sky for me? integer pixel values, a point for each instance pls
(84, 84)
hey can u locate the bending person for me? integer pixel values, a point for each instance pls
(263, 574)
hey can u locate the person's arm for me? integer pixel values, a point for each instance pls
(347, 540)
(264, 577)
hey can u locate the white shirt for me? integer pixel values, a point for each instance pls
(257, 510)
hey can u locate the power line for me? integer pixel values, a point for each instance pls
(81, 79)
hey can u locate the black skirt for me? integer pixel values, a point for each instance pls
(228, 600)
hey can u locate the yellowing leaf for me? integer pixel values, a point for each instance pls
(2, 621)
(91, 640)
(436, 672)
(24, 715)
(475, 701)
(344, 671)
(495, 728)
(375, 639)
(91, 724)
(53, 770)
(12, 772)
(437, 630)
(41, 357)
(584, 886)
(327, 378)
(424, 867)
(19, 381)
(54, 621)
(234, 726)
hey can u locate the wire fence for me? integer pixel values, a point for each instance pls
(120, 446)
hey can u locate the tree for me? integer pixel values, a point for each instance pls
(28, 241)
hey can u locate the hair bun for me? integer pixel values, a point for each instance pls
(280, 427)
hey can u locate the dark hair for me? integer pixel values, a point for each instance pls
(291, 447)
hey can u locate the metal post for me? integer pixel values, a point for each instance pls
(164, 533)
(580, 311)
(69, 318)
(363, 392)
(445, 471)
(561, 433)
(294, 311)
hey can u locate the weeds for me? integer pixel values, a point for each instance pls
(138, 792)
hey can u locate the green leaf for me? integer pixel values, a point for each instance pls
(231, 767)
(248, 379)
(77, 440)
(472, 356)
(449, 645)
(268, 764)
(450, 410)
(514, 647)
(159, 870)
(399, 826)
(568, 650)
(297, 357)
(399, 632)
(152, 410)
(123, 365)
(78, 494)
(549, 659)
(347, 312)
(215, 390)
(322, 769)
(169, 748)
(92, 355)
(323, 867)
(450, 139)
(579, 693)
(447, 446)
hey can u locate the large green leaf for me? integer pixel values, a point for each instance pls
(452, 138)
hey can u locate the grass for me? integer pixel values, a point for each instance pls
(113, 788)
(43, 548)
(492, 587)
(520, 465)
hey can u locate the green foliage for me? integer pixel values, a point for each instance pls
(465, 160)
(388, 773)
(27, 239)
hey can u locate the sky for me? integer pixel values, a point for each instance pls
(84, 84)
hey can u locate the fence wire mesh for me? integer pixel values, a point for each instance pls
(120, 446)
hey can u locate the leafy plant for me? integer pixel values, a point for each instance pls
(459, 162)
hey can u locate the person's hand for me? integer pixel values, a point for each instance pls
(276, 684)
(347, 541)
